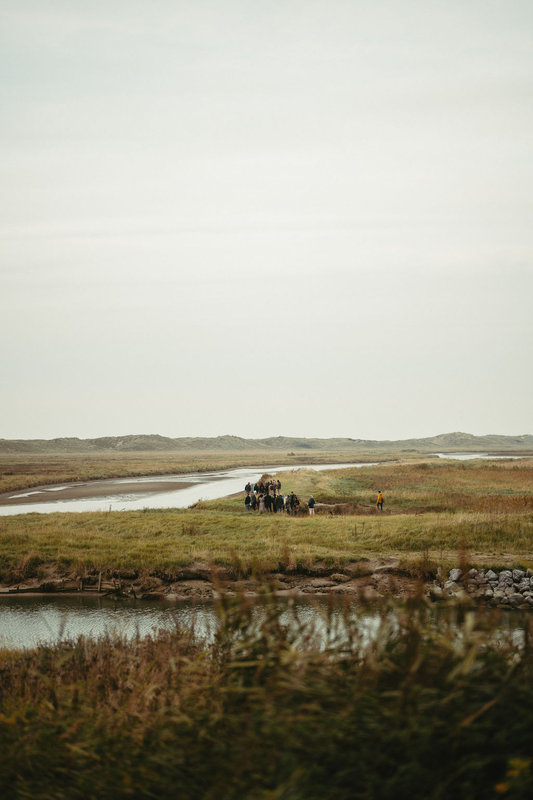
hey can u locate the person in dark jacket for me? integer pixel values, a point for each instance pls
(247, 502)
(311, 506)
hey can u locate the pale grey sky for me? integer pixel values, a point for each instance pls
(307, 218)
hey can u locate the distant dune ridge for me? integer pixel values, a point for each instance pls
(444, 442)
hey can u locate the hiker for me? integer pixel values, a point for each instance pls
(279, 503)
(261, 504)
(279, 486)
(268, 502)
(253, 504)
(248, 488)
(379, 502)
(311, 506)
(247, 502)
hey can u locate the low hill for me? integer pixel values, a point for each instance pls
(443, 443)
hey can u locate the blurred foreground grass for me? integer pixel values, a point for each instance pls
(423, 708)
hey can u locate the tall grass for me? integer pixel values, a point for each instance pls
(268, 710)
(156, 541)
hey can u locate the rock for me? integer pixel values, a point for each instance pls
(370, 595)
(498, 594)
(450, 586)
(516, 599)
(518, 574)
(319, 583)
(482, 579)
(455, 574)
(489, 592)
(524, 585)
(338, 577)
(471, 573)
(504, 574)
(491, 575)
(436, 593)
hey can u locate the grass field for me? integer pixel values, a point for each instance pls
(432, 508)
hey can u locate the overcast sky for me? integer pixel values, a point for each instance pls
(286, 217)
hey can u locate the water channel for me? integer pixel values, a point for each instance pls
(153, 491)
(26, 622)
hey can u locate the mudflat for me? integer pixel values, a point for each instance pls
(81, 491)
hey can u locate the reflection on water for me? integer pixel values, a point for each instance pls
(26, 622)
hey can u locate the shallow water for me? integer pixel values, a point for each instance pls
(206, 486)
(26, 622)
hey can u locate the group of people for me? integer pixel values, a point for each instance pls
(267, 496)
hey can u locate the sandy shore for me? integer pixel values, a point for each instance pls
(48, 494)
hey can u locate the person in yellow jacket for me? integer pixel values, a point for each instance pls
(379, 502)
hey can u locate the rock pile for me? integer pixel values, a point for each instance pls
(505, 588)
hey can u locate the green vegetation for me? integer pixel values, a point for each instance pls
(425, 710)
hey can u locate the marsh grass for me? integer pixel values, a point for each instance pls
(423, 708)
(487, 509)
(25, 471)
(166, 541)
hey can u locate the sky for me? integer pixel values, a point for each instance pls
(285, 218)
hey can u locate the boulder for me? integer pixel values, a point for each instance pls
(455, 574)
(516, 599)
(518, 574)
(491, 575)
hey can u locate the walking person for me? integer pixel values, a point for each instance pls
(379, 501)
(247, 502)
(311, 506)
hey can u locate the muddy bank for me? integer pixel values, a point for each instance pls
(370, 579)
(82, 491)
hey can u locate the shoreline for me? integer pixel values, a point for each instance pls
(371, 580)
(89, 490)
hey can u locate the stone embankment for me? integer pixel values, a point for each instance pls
(507, 588)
